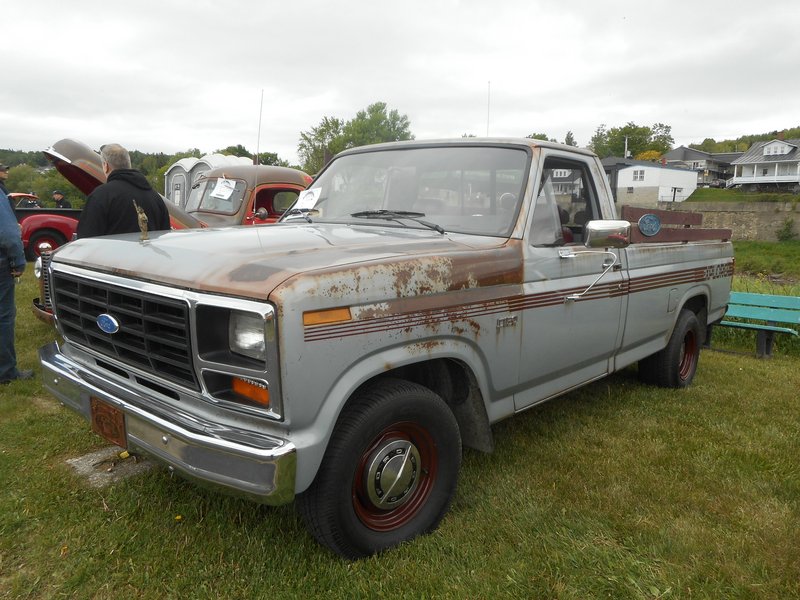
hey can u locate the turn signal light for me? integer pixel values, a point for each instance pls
(324, 317)
(252, 390)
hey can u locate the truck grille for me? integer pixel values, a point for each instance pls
(153, 331)
(46, 257)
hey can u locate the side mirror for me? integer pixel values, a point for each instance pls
(607, 234)
(261, 213)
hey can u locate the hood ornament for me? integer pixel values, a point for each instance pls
(142, 218)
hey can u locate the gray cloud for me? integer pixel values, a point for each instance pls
(189, 74)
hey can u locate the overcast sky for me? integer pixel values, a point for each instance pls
(169, 75)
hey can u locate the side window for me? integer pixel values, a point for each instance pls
(566, 201)
(283, 200)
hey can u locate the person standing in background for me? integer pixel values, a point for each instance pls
(111, 207)
(61, 202)
(3, 177)
(12, 264)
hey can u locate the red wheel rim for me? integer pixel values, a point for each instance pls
(410, 435)
(688, 355)
(45, 240)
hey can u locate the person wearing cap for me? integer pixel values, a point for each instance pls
(112, 207)
(12, 264)
(61, 202)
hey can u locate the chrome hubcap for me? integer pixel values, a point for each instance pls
(392, 474)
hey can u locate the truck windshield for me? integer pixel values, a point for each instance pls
(216, 194)
(465, 189)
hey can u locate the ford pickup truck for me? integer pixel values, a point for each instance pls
(414, 295)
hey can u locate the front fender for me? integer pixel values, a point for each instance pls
(66, 226)
(312, 440)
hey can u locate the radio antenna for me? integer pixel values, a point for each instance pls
(260, 111)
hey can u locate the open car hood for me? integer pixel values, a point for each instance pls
(83, 168)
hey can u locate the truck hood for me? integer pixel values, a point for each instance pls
(251, 262)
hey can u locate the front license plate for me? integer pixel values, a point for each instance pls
(108, 422)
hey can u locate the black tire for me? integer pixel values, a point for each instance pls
(391, 431)
(54, 238)
(675, 365)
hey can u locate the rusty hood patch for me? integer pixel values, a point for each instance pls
(252, 261)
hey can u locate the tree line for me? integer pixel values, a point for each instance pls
(376, 123)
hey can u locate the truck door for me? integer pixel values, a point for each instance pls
(572, 311)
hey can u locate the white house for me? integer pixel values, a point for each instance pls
(774, 164)
(643, 183)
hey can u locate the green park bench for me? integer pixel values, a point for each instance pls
(764, 313)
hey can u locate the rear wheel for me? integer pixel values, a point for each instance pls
(675, 365)
(54, 238)
(389, 473)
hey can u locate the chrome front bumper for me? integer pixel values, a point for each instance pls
(264, 471)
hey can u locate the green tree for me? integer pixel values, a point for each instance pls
(25, 178)
(661, 139)
(708, 145)
(569, 139)
(375, 125)
(237, 150)
(540, 136)
(599, 141)
(320, 143)
(271, 158)
(638, 139)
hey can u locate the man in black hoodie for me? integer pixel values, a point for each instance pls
(111, 207)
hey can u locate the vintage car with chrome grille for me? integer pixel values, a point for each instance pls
(415, 294)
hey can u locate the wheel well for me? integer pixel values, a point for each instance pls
(699, 306)
(456, 384)
(34, 238)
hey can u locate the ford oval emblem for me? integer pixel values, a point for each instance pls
(649, 224)
(107, 323)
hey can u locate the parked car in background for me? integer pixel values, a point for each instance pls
(39, 225)
(245, 194)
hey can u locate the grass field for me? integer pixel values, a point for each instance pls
(737, 195)
(618, 490)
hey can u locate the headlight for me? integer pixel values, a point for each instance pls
(247, 335)
(37, 268)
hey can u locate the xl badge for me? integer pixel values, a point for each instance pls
(107, 323)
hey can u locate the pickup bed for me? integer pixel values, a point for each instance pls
(414, 295)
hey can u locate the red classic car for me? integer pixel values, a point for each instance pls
(245, 194)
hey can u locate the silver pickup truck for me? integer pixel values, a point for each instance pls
(414, 295)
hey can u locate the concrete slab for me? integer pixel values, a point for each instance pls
(105, 466)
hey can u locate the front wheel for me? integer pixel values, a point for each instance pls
(675, 365)
(389, 473)
(54, 238)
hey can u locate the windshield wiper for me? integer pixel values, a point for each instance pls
(395, 215)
